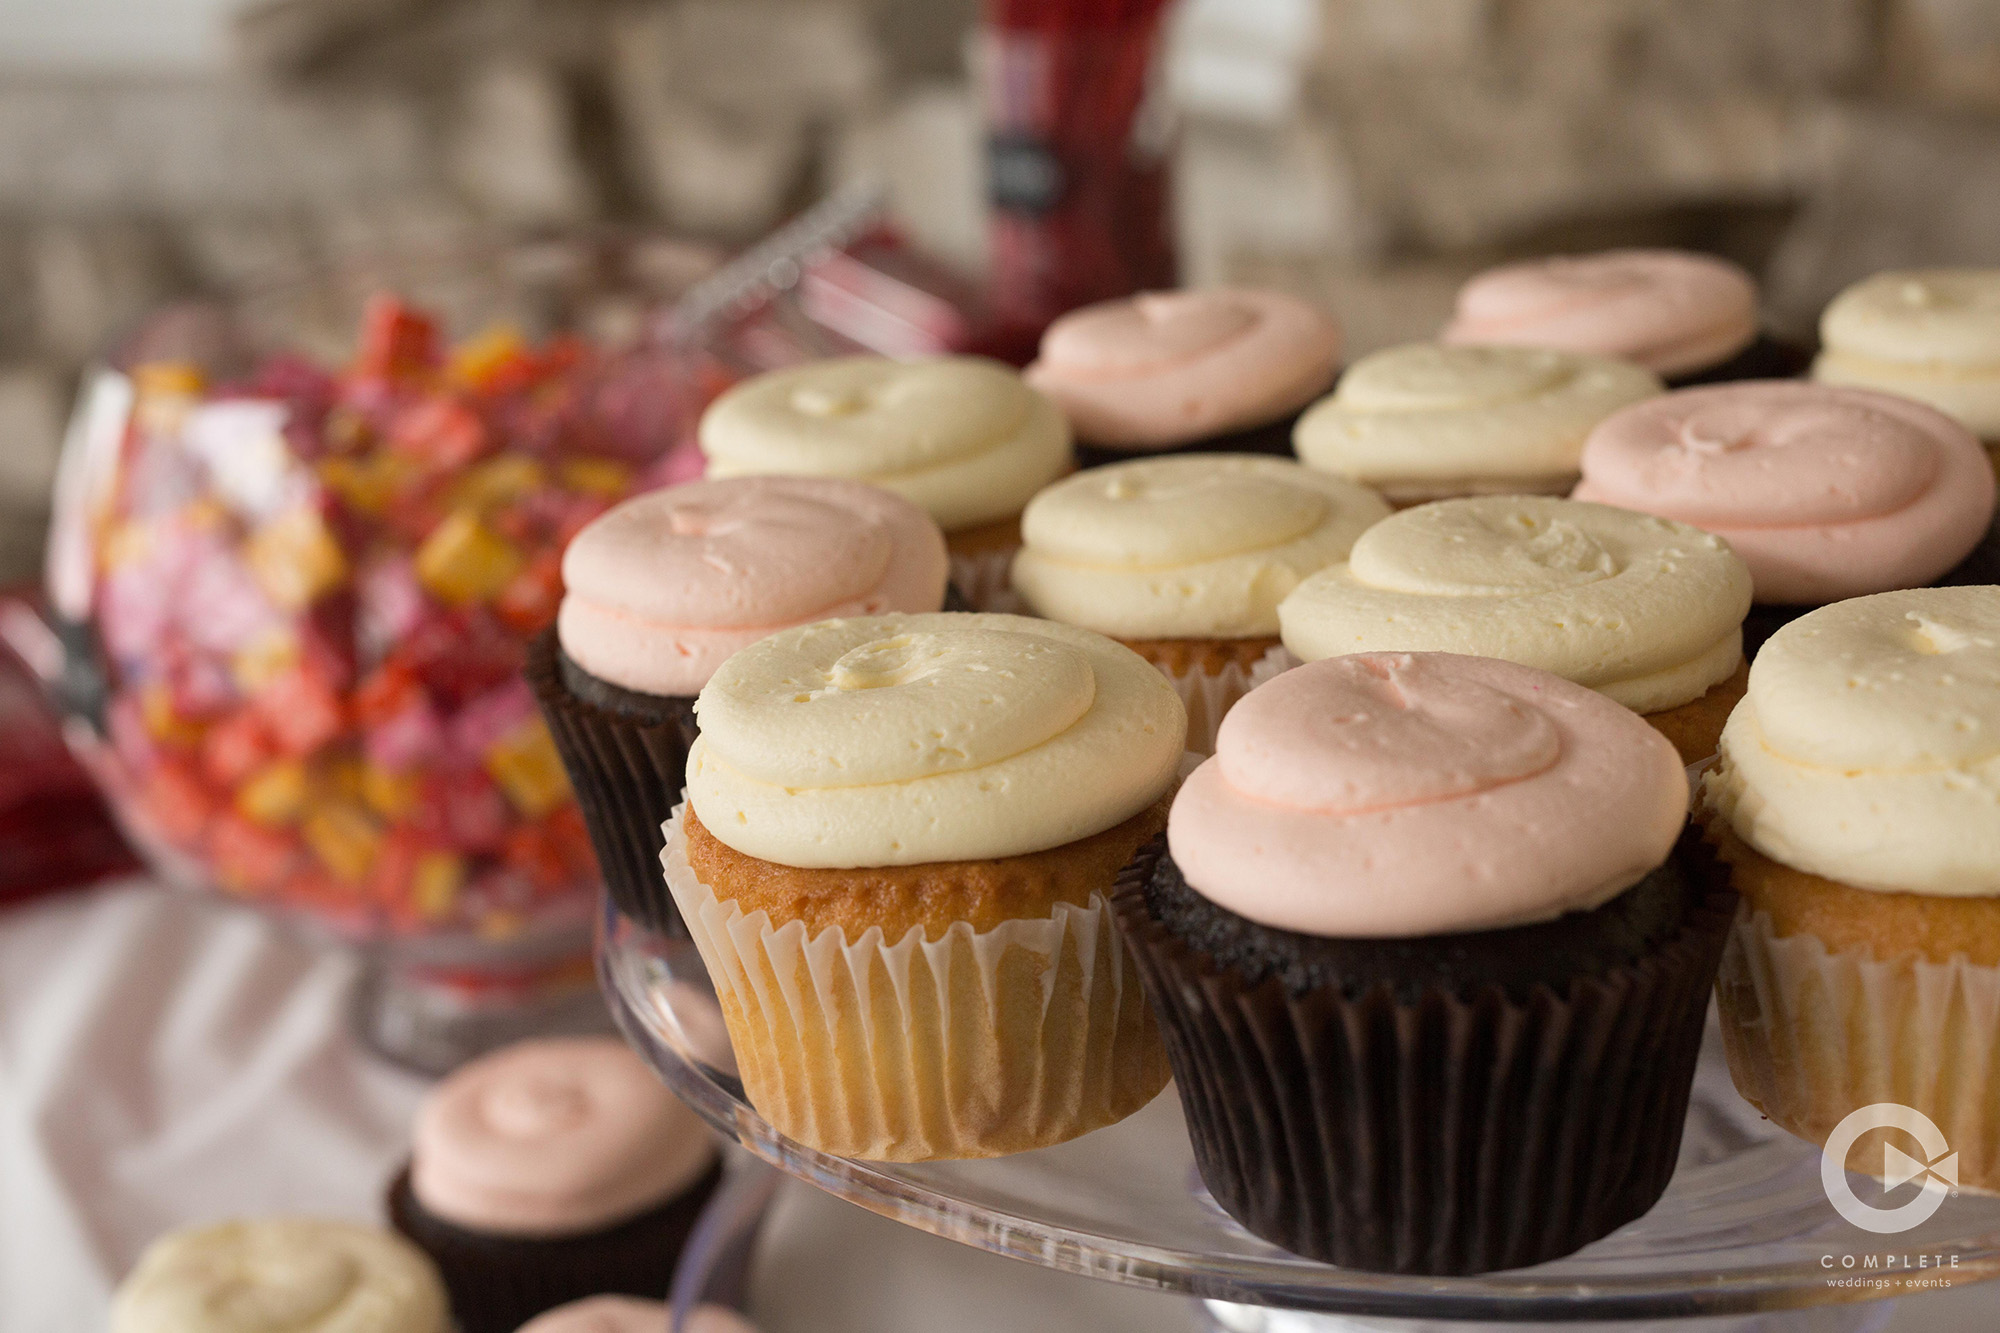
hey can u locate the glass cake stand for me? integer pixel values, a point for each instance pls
(1745, 1228)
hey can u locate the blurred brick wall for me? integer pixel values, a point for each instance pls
(1367, 152)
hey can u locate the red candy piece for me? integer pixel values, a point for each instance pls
(302, 708)
(248, 857)
(396, 341)
(235, 748)
(442, 431)
(175, 802)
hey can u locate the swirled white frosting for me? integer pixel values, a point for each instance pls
(897, 740)
(1430, 416)
(962, 437)
(1928, 334)
(1868, 747)
(281, 1275)
(1643, 609)
(1200, 546)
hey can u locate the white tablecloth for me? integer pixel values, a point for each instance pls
(166, 1060)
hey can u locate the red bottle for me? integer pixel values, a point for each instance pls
(1077, 139)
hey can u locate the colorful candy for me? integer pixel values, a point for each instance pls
(315, 592)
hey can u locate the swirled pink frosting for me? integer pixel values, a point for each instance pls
(1403, 794)
(1826, 493)
(661, 590)
(553, 1137)
(1167, 368)
(1670, 311)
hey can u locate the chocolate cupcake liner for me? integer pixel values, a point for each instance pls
(1813, 1034)
(626, 754)
(1980, 567)
(978, 1044)
(1273, 438)
(1442, 1134)
(1767, 358)
(499, 1282)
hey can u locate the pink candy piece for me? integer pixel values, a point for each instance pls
(489, 717)
(411, 737)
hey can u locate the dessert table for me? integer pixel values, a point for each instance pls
(166, 1059)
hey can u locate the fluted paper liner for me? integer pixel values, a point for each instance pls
(982, 577)
(1208, 697)
(1445, 1134)
(627, 772)
(976, 1045)
(1814, 1034)
(1271, 665)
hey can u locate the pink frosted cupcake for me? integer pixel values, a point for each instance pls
(660, 591)
(1688, 318)
(1431, 956)
(1222, 370)
(549, 1171)
(1826, 493)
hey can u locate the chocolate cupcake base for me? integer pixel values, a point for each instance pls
(1978, 569)
(626, 754)
(499, 1282)
(1442, 1106)
(1273, 438)
(1767, 358)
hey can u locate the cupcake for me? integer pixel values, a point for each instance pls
(1645, 611)
(961, 437)
(1223, 370)
(660, 591)
(281, 1275)
(1431, 959)
(1928, 334)
(1854, 803)
(548, 1171)
(1688, 318)
(1427, 421)
(899, 836)
(1184, 560)
(624, 1314)
(1826, 493)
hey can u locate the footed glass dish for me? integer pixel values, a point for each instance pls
(1744, 1229)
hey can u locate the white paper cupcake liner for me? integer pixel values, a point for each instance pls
(974, 1045)
(1813, 1034)
(982, 577)
(1207, 697)
(1272, 665)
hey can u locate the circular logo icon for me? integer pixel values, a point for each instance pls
(1935, 1175)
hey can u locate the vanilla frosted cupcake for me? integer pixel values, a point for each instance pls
(1855, 801)
(898, 839)
(1689, 318)
(623, 1314)
(1646, 611)
(1928, 334)
(281, 1275)
(660, 590)
(548, 1171)
(1223, 369)
(961, 437)
(1825, 492)
(1184, 560)
(1429, 965)
(1427, 422)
